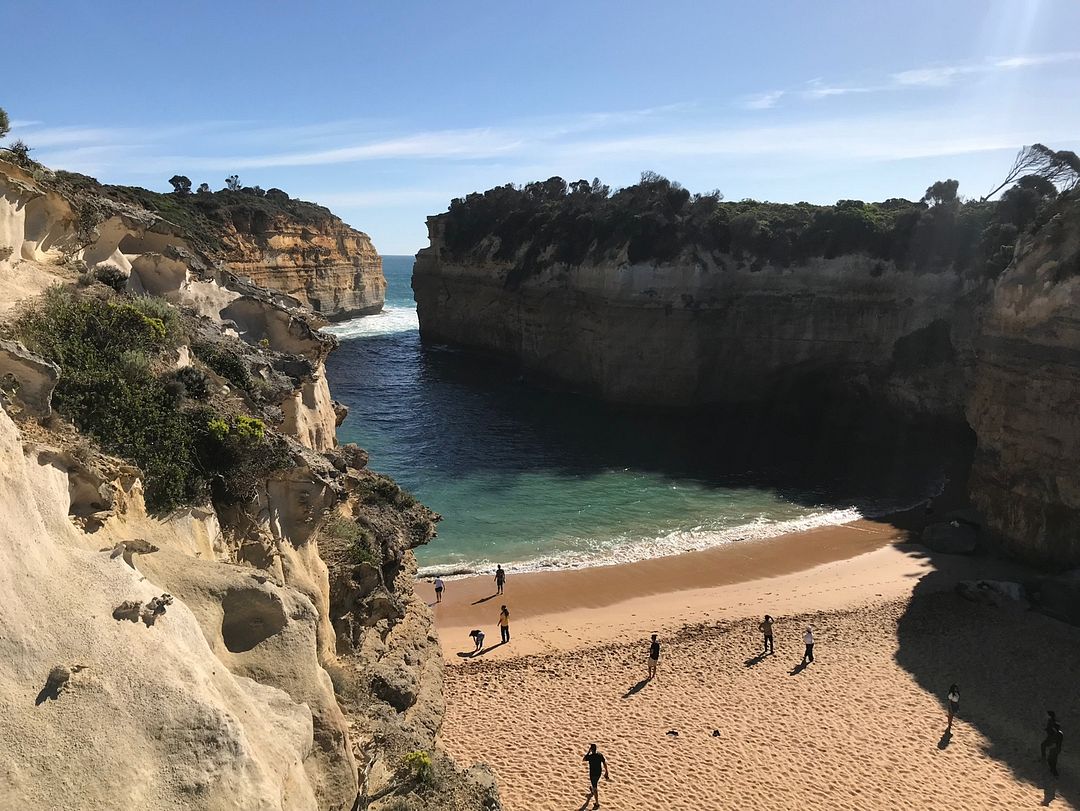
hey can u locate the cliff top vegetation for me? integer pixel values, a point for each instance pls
(657, 220)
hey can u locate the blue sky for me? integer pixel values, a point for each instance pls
(386, 110)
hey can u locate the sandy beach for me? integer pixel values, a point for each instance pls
(862, 727)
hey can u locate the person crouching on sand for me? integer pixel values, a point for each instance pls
(954, 703)
(654, 656)
(597, 764)
(766, 631)
(808, 640)
(439, 585)
(504, 624)
(478, 639)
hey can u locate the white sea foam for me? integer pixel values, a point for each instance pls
(390, 321)
(616, 551)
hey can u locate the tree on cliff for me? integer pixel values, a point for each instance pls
(5, 125)
(941, 192)
(1061, 167)
(232, 182)
(204, 188)
(181, 185)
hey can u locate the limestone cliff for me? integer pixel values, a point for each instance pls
(706, 330)
(322, 263)
(765, 305)
(172, 634)
(1025, 404)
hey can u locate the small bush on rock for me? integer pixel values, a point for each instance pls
(419, 766)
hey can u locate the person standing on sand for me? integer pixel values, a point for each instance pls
(654, 657)
(954, 702)
(478, 640)
(1051, 746)
(500, 579)
(439, 585)
(808, 640)
(766, 631)
(504, 624)
(597, 764)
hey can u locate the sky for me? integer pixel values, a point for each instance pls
(386, 110)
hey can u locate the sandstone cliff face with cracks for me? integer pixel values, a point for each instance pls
(1002, 355)
(207, 656)
(706, 331)
(325, 265)
(1025, 405)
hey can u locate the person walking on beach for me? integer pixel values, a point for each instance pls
(1051, 745)
(439, 585)
(478, 640)
(500, 579)
(654, 657)
(954, 702)
(766, 631)
(597, 765)
(504, 624)
(808, 640)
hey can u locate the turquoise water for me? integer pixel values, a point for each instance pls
(536, 478)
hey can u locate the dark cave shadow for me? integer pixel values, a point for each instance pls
(48, 693)
(1013, 664)
(637, 688)
(485, 599)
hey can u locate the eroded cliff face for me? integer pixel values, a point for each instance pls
(325, 264)
(1025, 403)
(197, 659)
(705, 331)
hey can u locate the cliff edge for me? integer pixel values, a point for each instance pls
(208, 601)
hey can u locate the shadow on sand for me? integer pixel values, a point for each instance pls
(637, 688)
(756, 660)
(485, 599)
(799, 668)
(1012, 665)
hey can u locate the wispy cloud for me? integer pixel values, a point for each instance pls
(763, 101)
(929, 76)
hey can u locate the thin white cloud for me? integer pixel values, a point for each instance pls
(763, 101)
(817, 89)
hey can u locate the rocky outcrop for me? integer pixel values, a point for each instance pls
(707, 330)
(1025, 403)
(324, 264)
(204, 650)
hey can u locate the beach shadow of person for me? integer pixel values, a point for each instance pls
(756, 660)
(487, 649)
(946, 738)
(466, 654)
(799, 668)
(485, 599)
(637, 688)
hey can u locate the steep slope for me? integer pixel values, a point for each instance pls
(194, 595)
(1025, 404)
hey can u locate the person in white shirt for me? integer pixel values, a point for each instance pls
(439, 585)
(954, 702)
(808, 640)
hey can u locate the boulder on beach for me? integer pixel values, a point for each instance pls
(951, 537)
(1000, 593)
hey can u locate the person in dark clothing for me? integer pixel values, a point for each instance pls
(654, 656)
(597, 764)
(766, 631)
(1051, 745)
(500, 579)
(478, 639)
(808, 640)
(954, 702)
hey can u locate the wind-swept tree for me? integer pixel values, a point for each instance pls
(5, 125)
(1061, 167)
(232, 182)
(943, 191)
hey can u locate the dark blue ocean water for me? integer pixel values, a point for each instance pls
(539, 478)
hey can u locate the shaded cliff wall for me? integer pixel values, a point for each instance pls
(701, 332)
(1025, 403)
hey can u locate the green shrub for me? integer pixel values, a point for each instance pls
(383, 488)
(236, 455)
(359, 540)
(195, 382)
(419, 766)
(225, 362)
